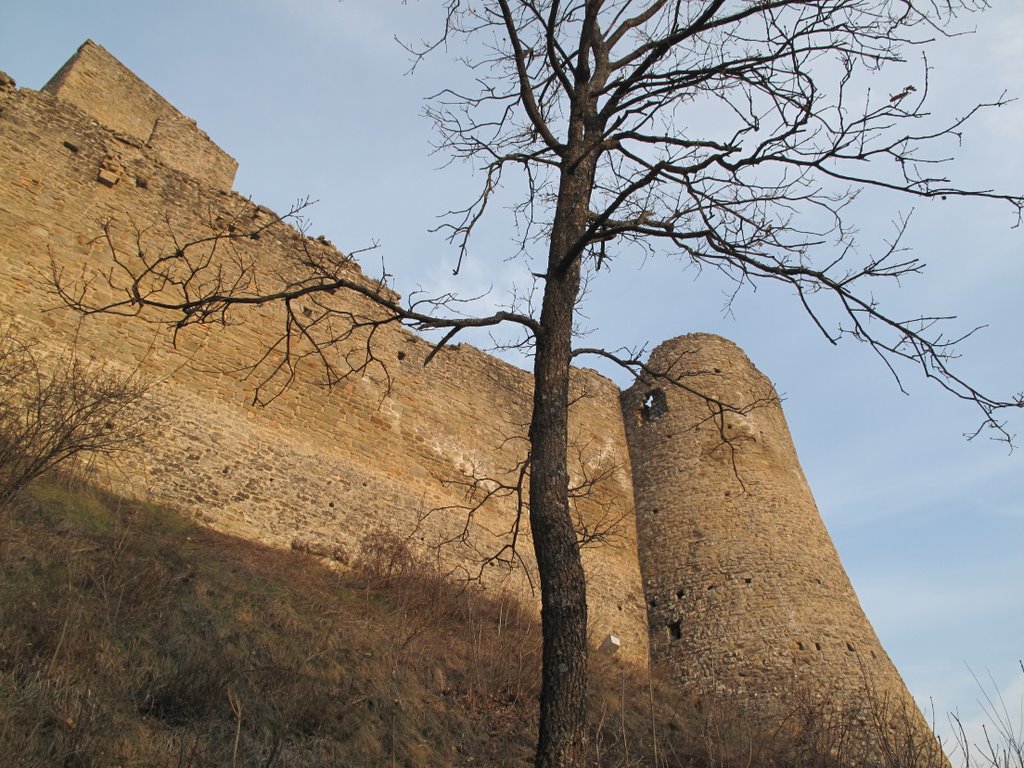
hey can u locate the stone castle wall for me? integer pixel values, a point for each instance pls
(393, 446)
(742, 589)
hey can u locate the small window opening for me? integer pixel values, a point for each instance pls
(800, 646)
(71, 147)
(675, 631)
(654, 405)
(817, 646)
(654, 603)
(850, 648)
(401, 355)
(680, 593)
(748, 581)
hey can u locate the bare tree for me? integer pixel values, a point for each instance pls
(732, 132)
(52, 411)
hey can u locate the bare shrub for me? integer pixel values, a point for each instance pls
(805, 727)
(1000, 743)
(383, 558)
(53, 410)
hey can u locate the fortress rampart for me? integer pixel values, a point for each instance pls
(393, 447)
(725, 570)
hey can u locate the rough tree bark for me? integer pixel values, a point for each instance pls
(562, 740)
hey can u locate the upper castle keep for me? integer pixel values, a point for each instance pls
(716, 559)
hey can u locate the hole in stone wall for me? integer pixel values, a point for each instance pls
(817, 646)
(654, 602)
(68, 145)
(850, 648)
(800, 646)
(680, 593)
(675, 631)
(654, 405)
(401, 355)
(748, 581)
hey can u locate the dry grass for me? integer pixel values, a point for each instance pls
(131, 637)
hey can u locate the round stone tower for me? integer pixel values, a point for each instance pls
(745, 591)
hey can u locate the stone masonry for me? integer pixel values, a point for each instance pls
(725, 570)
(100, 85)
(745, 590)
(394, 446)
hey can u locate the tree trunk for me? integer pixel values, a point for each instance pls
(563, 705)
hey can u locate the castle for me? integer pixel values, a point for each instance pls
(713, 557)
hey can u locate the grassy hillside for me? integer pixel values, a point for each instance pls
(132, 637)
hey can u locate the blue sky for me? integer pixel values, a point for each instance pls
(312, 97)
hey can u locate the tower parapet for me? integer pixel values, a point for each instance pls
(106, 90)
